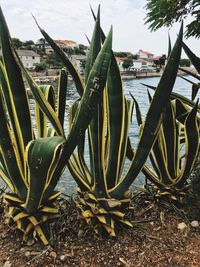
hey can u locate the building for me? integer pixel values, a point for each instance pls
(29, 58)
(120, 61)
(78, 61)
(141, 54)
(41, 44)
(66, 44)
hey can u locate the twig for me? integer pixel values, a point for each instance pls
(37, 256)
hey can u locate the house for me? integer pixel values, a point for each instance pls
(42, 44)
(79, 62)
(141, 54)
(29, 58)
(120, 61)
(66, 44)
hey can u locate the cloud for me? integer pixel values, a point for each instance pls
(67, 19)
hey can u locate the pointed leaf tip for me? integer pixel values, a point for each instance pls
(36, 22)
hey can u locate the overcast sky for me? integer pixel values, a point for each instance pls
(72, 19)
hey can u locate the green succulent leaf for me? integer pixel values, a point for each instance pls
(41, 158)
(194, 59)
(14, 90)
(41, 119)
(62, 95)
(43, 104)
(153, 119)
(12, 172)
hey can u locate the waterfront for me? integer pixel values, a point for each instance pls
(134, 86)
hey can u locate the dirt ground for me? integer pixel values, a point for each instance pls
(154, 241)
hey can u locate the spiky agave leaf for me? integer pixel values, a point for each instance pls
(170, 176)
(41, 120)
(194, 59)
(92, 94)
(176, 96)
(32, 215)
(153, 119)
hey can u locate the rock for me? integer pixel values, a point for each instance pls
(195, 224)
(182, 226)
(53, 254)
(27, 253)
(7, 264)
(62, 257)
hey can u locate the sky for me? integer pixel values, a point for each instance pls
(72, 20)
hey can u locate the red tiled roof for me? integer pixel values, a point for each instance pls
(65, 42)
(120, 59)
(146, 52)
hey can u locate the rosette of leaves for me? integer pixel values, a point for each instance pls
(103, 192)
(174, 152)
(32, 161)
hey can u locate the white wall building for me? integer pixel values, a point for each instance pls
(77, 61)
(29, 58)
(144, 54)
(120, 61)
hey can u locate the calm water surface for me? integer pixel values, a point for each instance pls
(66, 183)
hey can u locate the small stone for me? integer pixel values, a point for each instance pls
(181, 226)
(27, 253)
(7, 264)
(62, 257)
(53, 254)
(195, 224)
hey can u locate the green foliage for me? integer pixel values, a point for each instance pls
(104, 196)
(176, 149)
(31, 162)
(161, 61)
(184, 62)
(128, 62)
(165, 13)
(175, 152)
(17, 43)
(53, 61)
(40, 67)
(78, 51)
(83, 63)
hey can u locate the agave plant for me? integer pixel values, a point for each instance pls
(31, 162)
(176, 149)
(103, 192)
(174, 152)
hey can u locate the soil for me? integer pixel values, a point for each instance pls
(155, 240)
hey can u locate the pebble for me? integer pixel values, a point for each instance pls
(53, 254)
(27, 253)
(195, 224)
(7, 264)
(62, 257)
(181, 226)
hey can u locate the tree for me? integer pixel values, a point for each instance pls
(128, 62)
(53, 61)
(41, 66)
(184, 62)
(17, 43)
(83, 63)
(166, 12)
(161, 61)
